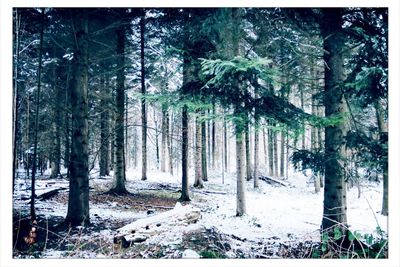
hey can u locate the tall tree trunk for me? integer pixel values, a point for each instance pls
(335, 207)
(170, 144)
(248, 160)
(16, 93)
(198, 155)
(303, 127)
(256, 142)
(164, 137)
(119, 172)
(213, 139)
(275, 141)
(204, 149)
(282, 166)
(78, 201)
(185, 147)
(35, 140)
(314, 141)
(104, 128)
(240, 163)
(383, 136)
(126, 136)
(143, 103)
(265, 149)
(239, 128)
(271, 152)
(256, 152)
(225, 145)
(56, 153)
(156, 137)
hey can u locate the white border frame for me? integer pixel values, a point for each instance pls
(6, 259)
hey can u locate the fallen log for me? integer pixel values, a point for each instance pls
(49, 194)
(140, 230)
(271, 180)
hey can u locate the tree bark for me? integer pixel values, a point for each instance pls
(78, 201)
(185, 146)
(335, 207)
(104, 128)
(383, 136)
(39, 81)
(164, 136)
(203, 149)
(271, 152)
(119, 172)
(275, 151)
(248, 160)
(198, 170)
(16, 99)
(240, 163)
(143, 103)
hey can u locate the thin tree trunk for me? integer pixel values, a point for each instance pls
(78, 201)
(185, 146)
(335, 207)
(39, 80)
(213, 139)
(164, 137)
(314, 141)
(275, 141)
(225, 146)
(282, 166)
(143, 105)
(16, 94)
(240, 163)
(303, 135)
(383, 136)
(271, 152)
(256, 152)
(204, 149)
(198, 155)
(104, 129)
(119, 172)
(265, 149)
(248, 160)
(156, 137)
(170, 144)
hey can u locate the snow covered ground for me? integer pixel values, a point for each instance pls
(273, 212)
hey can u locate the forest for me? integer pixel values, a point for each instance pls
(200, 133)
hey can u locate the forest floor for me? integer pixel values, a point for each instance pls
(281, 221)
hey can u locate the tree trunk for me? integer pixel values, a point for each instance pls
(78, 201)
(275, 151)
(248, 160)
(198, 155)
(225, 146)
(383, 136)
(282, 166)
(143, 102)
(156, 137)
(119, 172)
(16, 93)
(314, 141)
(35, 154)
(56, 154)
(256, 152)
(164, 137)
(185, 147)
(335, 206)
(104, 128)
(271, 152)
(169, 145)
(204, 149)
(213, 140)
(240, 163)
